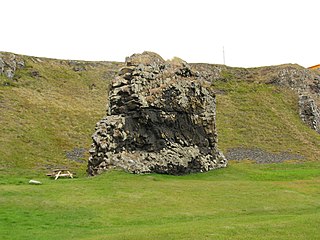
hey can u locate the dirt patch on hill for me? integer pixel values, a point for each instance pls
(260, 156)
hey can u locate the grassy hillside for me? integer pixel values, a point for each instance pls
(254, 115)
(48, 112)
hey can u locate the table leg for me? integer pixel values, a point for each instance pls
(70, 174)
(58, 174)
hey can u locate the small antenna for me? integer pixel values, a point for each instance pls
(224, 56)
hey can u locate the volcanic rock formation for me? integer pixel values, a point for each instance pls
(161, 118)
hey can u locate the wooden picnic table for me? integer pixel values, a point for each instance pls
(61, 172)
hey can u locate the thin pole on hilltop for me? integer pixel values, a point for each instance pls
(224, 56)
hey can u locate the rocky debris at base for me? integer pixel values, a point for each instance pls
(161, 119)
(259, 155)
(76, 154)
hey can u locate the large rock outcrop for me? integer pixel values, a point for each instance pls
(161, 118)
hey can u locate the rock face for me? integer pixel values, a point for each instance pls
(9, 63)
(161, 118)
(309, 112)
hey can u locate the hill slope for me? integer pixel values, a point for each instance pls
(253, 115)
(48, 110)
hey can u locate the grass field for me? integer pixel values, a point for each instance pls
(244, 201)
(45, 115)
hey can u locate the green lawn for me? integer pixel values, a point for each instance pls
(243, 201)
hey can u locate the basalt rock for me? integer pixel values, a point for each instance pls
(9, 63)
(309, 112)
(161, 118)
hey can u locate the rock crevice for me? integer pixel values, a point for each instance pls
(161, 118)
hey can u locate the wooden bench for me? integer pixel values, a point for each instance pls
(56, 173)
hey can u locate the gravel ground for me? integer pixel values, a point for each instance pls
(259, 155)
(76, 154)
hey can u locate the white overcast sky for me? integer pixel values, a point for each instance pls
(252, 32)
